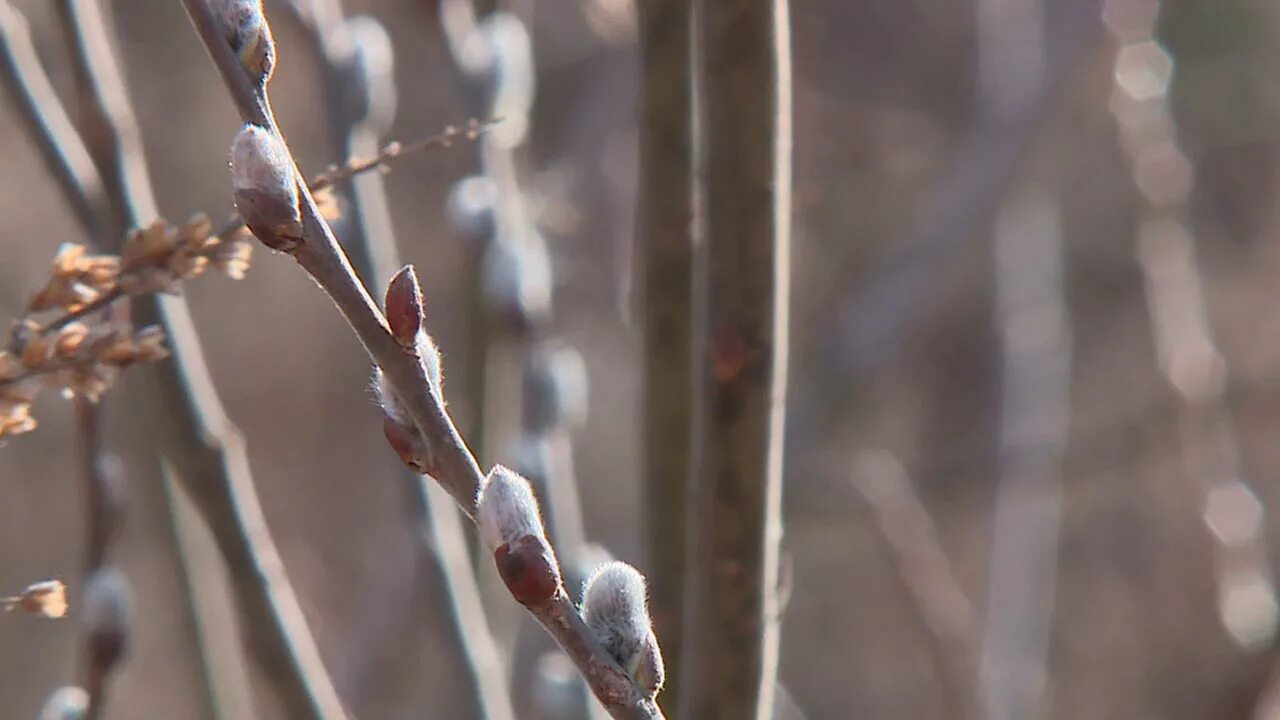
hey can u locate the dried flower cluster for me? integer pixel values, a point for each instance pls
(47, 598)
(81, 351)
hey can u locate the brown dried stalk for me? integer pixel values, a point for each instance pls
(730, 648)
(450, 461)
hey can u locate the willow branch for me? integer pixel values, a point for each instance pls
(360, 98)
(46, 119)
(730, 648)
(452, 464)
(192, 429)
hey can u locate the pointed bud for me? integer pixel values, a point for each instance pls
(512, 526)
(406, 317)
(266, 189)
(66, 703)
(106, 616)
(247, 32)
(613, 606)
(398, 427)
(404, 306)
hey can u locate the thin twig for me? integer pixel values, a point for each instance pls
(372, 243)
(453, 465)
(391, 152)
(106, 118)
(1032, 315)
(731, 611)
(193, 432)
(944, 610)
(39, 108)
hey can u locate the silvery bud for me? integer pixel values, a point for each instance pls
(614, 607)
(247, 32)
(266, 189)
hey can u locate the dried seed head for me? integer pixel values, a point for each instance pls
(512, 526)
(247, 32)
(266, 189)
(66, 703)
(106, 615)
(47, 598)
(613, 606)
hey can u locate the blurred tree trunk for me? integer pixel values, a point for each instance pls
(664, 218)
(744, 141)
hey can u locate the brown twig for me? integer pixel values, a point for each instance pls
(453, 465)
(64, 152)
(730, 648)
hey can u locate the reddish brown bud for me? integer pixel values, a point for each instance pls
(398, 427)
(404, 306)
(528, 568)
(407, 443)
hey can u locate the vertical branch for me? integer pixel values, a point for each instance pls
(731, 612)
(357, 59)
(192, 431)
(1032, 315)
(664, 222)
(1034, 416)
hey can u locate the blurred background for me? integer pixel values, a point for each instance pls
(1034, 378)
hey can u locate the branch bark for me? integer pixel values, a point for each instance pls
(731, 606)
(664, 224)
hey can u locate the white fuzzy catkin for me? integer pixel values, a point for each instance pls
(105, 603)
(261, 162)
(247, 32)
(66, 703)
(507, 509)
(613, 604)
(614, 607)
